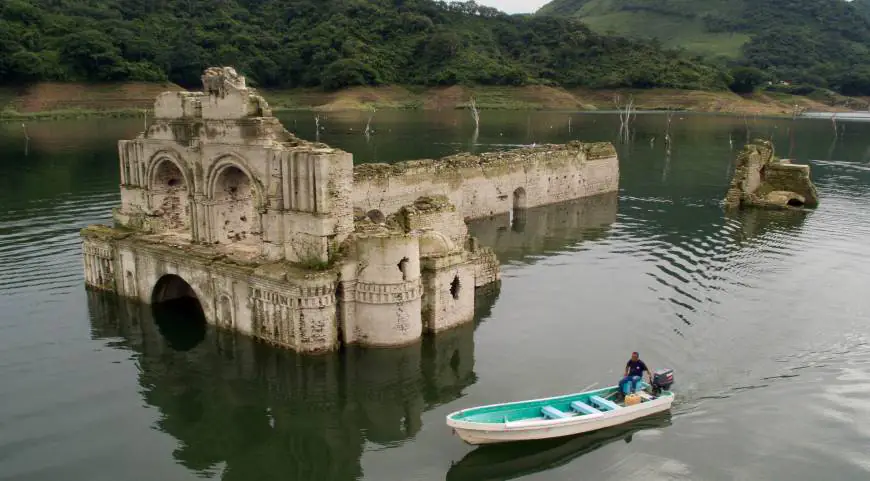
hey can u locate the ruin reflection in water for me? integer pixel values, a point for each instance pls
(539, 230)
(267, 413)
(756, 224)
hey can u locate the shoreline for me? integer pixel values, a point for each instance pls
(55, 101)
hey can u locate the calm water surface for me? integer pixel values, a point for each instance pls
(763, 315)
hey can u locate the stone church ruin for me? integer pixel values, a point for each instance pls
(287, 241)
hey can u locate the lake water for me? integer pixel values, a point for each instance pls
(763, 315)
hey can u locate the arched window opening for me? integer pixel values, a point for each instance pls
(170, 196)
(236, 218)
(403, 267)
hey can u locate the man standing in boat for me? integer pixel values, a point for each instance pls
(634, 370)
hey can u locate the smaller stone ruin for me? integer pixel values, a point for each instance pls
(763, 180)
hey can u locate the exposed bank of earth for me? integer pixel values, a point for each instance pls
(69, 100)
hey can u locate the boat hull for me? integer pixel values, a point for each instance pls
(491, 433)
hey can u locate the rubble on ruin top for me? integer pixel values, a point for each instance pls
(219, 80)
(591, 151)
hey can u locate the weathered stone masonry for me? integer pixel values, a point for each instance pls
(763, 180)
(286, 241)
(492, 183)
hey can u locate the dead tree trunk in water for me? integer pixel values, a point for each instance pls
(625, 117)
(26, 140)
(668, 141)
(368, 131)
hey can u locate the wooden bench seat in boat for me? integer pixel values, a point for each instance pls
(583, 408)
(599, 402)
(553, 413)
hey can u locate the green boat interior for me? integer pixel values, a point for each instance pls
(584, 404)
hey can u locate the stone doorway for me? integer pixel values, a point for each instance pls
(178, 313)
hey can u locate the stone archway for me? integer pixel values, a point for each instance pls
(171, 288)
(169, 195)
(235, 217)
(178, 312)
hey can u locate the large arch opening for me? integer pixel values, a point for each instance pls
(235, 212)
(170, 195)
(178, 313)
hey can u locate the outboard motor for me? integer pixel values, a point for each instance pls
(662, 380)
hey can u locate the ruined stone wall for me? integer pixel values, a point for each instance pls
(435, 214)
(492, 183)
(762, 180)
(792, 178)
(98, 257)
(290, 200)
(217, 168)
(487, 268)
(298, 313)
(448, 284)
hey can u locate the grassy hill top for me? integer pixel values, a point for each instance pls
(675, 23)
(818, 42)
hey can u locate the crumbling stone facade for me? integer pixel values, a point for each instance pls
(284, 240)
(763, 180)
(492, 183)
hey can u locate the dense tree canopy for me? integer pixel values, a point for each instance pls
(328, 43)
(825, 43)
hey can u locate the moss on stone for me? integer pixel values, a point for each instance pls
(506, 158)
(757, 163)
(103, 232)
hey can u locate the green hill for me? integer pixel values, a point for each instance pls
(328, 43)
(818, 42)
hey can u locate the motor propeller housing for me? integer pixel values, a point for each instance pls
(662, 379)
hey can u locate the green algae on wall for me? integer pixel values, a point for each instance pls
(763, 180)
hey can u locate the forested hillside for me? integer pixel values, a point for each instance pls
(863, 6)
(818, 42)
(328, 43)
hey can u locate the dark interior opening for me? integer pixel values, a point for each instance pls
(376, 216)
(339, 313)
(403, 266)
(454, 287)
(178, 313)
(795, 203)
